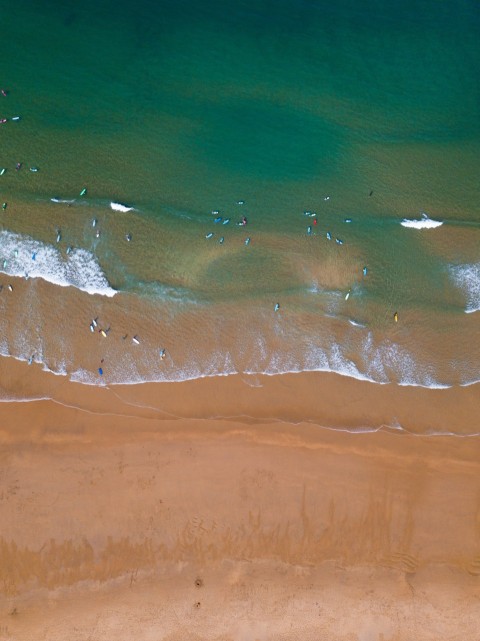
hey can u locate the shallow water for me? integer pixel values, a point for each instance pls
(177, 110)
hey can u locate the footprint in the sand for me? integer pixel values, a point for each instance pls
(474, 566)
(198, 583)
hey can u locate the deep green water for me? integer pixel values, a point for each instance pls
(180, 108)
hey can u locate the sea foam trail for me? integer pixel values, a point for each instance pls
(467, 277)
(423, 223)
(26, 257)
(120, 207)
(56, 199)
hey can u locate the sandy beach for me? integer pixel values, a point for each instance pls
(227, 508)
(239, 321)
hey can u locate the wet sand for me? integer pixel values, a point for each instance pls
(226, 508)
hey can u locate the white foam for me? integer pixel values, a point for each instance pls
(423, 223)
(356, 323)
(78, 269)
(120, 207)
(467, 277)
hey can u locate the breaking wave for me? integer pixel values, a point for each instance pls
(120, 207)
(467, 277)
(26, 257)
(423, 223)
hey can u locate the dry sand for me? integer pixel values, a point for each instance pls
(224, 509)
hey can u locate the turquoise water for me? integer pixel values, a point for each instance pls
(368, 112)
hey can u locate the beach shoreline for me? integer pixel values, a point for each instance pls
(116, 500)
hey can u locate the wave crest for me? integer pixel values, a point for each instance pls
(26, 257)
(467, 277)
(423, 223)
(120, 207)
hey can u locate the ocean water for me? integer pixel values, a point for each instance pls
(346, 134)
